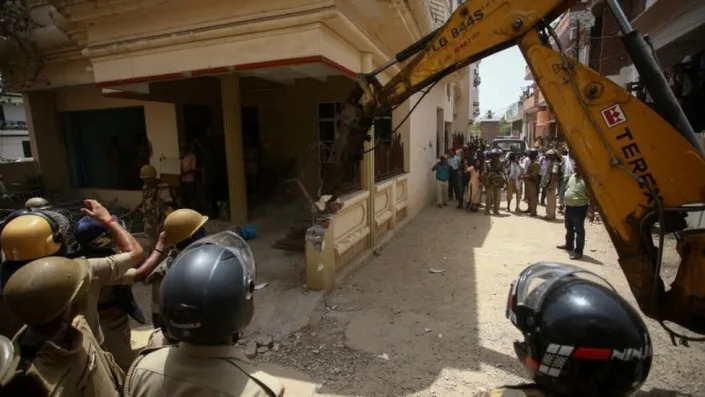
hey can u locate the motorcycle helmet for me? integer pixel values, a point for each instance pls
(206, 296)
(580, 337)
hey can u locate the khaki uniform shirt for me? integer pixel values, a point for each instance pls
(83, 370)
(157, 339)
(158, 200)
(494, 177)
(186, 370)
(532, 172)
(111, 270)
(157, 275)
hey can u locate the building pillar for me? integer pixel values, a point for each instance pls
(232, 128)
(367, 170)
(46, 139)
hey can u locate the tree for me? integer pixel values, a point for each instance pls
(20, 61)
(505, 128)
(475, 129)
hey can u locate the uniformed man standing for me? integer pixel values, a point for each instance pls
(57, 351)
(115, 302)
(553, 175)
(206, 300)
(494, 182)
(181, 228)
(41, 234)
(158, 200)
(531, 182)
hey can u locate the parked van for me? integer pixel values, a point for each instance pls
(509, 145)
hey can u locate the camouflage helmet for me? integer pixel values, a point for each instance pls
(148, 171)
(33, 235)
(44, 289)
(182, 224)
(37, 203)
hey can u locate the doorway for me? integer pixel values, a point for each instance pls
(253, 155)
(204, 134)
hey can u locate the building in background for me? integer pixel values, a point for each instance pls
(14, 137)
(467, 99)
(573, 30)
(513, 116)
(607, 54)
(676, 30)
(488, 125)
(254, 85)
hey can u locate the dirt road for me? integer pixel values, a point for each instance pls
(396, 328)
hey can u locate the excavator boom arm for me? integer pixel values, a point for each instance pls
(638, 167)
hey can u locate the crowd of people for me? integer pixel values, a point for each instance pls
(535, 177)
(65, 304)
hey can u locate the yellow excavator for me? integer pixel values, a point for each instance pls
(644, 167)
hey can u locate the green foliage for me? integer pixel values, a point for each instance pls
(20, 62)
(505, 128)
(475, 129)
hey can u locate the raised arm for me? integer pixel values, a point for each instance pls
(123, 239)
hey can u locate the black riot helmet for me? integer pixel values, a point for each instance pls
(580, 337)
(206, 296)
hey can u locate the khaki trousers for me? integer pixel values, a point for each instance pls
(532, 195)
(441, 192)
(494, 195)
(116, 335)
(551, 203)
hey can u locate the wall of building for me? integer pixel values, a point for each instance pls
(489, 130)
(160, 120)
(11, 146)
(288, 121)
(18, 172)
(14, 112)
(608, 55)
(463, 104)
(48, 146)
(422, 147)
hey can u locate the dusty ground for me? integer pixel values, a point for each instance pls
(394, 328)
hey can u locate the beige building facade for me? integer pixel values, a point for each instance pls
(255, 83)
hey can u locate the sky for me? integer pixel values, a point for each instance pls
(502, 77)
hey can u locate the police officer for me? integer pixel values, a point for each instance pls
(40, 234)
(115, 303)
(580, 337)
(57, 351)
(553, 176)
(181, 228)
(158, 199)
(206, 300)
(37, 204)
(494, 181)
(531, 182)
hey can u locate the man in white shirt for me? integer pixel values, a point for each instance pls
(514, 172)
(525, 161)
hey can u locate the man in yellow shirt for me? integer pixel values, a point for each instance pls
(576, 208)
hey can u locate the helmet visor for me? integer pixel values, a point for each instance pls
(231, 241)
(528, 291)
